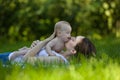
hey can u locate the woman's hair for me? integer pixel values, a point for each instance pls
(86, 47)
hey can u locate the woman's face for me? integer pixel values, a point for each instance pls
(74, 41)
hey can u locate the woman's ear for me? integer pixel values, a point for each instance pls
(73, 51)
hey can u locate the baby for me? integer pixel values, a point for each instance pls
(62, 35)
(63, 31)
(80, 44)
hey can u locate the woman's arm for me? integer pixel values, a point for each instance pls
(15, 54)
(68, 53)
(33, 51)
(38, 47)
(23, 50)
(65, 54)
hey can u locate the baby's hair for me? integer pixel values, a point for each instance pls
(86, 48)
(59, 25)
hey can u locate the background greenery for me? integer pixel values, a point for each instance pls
(28, 20)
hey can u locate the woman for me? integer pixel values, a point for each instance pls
(75, 46)
(4, 57)
(80, 44)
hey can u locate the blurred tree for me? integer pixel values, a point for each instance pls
(35, 19)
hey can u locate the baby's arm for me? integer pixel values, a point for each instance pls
(49, 47)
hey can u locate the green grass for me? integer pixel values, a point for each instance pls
(106, 66)
(9, 47)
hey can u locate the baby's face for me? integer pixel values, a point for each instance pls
(73, 42)
(65, 33)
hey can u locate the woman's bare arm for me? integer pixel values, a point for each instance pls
(18, 53)
(23, 50)
(38, 47)
(34, 50)
(68, 53)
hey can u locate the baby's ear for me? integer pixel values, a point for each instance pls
(59, 32)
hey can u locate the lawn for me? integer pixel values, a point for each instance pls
(106, 66)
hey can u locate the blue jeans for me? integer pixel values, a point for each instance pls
(4, 57)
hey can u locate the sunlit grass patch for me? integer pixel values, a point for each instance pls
(94, 70)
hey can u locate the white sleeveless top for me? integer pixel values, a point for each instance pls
(42, 52)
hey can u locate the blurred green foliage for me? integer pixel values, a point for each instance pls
(35, 19)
